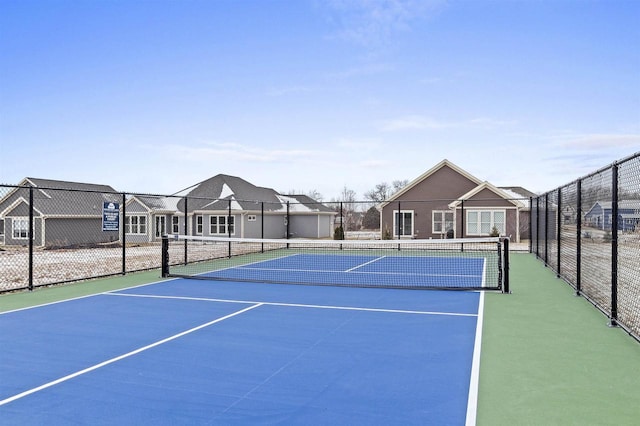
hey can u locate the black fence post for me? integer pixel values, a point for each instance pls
(186, 229)
(546, 229)
(124, 233)
(462, 217)
(614, 245)
(30, 235)
(288, 220)
(531, 224)
(229, 225)
(400, 221)
(559, 233)
(579, 238)
(538, 227)
(262, 225)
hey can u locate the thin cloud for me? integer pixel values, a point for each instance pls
(374, 22)
(291, 90)
(599, 141)
(230, 151)
(421, 122)
(413, 122)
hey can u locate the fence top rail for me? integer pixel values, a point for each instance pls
(600, 170)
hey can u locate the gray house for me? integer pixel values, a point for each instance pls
(148, 217)
(64, 213)
(600, 215)
(228, 206)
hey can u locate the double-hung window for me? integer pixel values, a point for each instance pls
(20, 226)
(222, 225)
(175, 225)
(135, 224)
(442, 221)
(482, 222)
(199, 224)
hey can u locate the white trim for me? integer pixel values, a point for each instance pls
(428, 173)
(472, 401)
(444, 222)
(413, 223)
(129, 216)
(486, 185)
(491, 224)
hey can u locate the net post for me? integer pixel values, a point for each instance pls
(165, 256)
(505, 266)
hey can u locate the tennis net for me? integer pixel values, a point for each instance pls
(469, 264)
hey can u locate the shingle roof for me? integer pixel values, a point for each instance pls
(62, 198)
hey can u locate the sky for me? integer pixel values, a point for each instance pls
(316, 95)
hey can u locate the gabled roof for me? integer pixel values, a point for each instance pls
(216, 193)
(519, 191)
(157, 204)
(490, 187)
(60, 199)
(303, 203)
(60, 184)
(431, 171)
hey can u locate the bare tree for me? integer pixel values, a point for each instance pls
(347, 199)
(383, 191)
(313, 193)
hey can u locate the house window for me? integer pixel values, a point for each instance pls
(482, 222)
(403, 223)
(135, 224)
(175, 225)
(20, 226)
(218, 225)
(442, 221)
(252, 218)
(199, 225)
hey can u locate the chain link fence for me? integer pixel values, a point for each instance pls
(589, 233)
(54, 234)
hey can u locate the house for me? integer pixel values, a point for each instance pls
(599, 215)
(65, 214)
(148, 217)
(447, 201)
(228, 206)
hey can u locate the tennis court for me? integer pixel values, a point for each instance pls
(196, 352)
(184, 351)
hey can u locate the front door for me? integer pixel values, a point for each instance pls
(160, 226)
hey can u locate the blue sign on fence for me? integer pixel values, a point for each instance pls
(110, 216)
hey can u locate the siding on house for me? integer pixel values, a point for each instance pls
(58, 207)
(435, 195)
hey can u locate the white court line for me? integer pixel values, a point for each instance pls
(121, 357)
(330, 271)
(365, 264)
(297, 305)
(472, 402)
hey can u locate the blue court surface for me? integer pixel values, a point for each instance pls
(191, 352)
